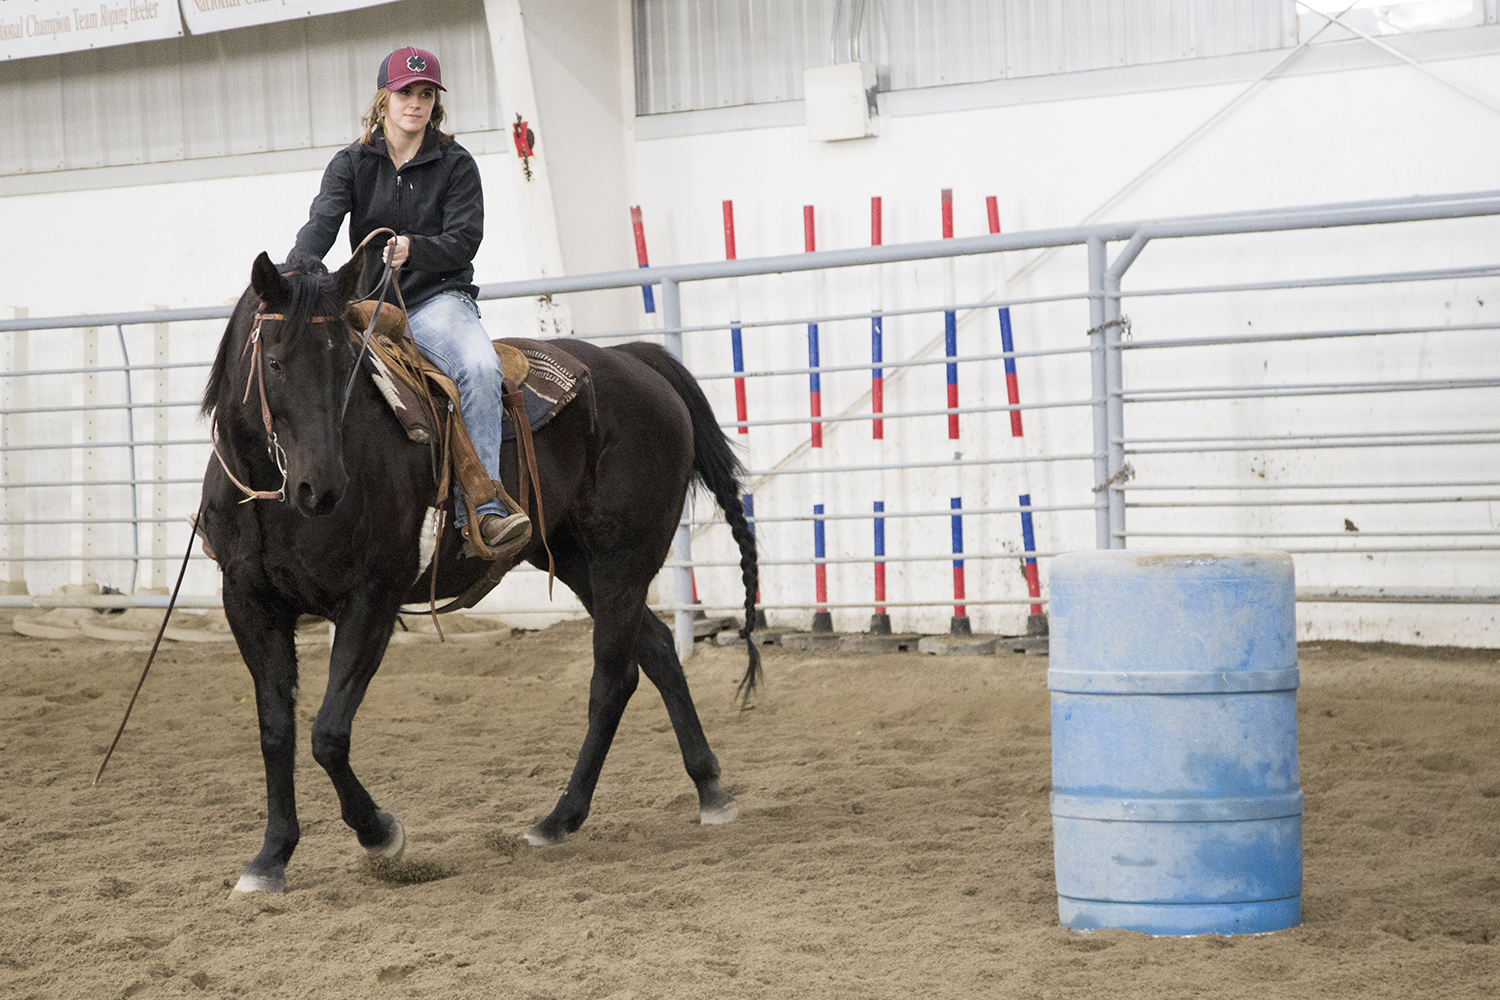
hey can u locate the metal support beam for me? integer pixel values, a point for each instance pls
(1114, 378)
(682, 543)
(1096, 251)
(161, 433)
(91, 497)
(13, 437)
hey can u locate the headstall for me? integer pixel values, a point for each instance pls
(257, 377)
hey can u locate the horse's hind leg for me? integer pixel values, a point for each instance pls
(657, 654)
(617, 619)
(358, 647)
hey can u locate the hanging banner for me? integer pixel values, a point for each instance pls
(48, 27)
(204, 16)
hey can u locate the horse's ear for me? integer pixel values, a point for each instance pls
(349, 277)
(268, 282)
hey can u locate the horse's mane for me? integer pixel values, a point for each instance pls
(311, 292)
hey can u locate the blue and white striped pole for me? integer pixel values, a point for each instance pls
(880, 621)
(1036, 623)
(959, 625)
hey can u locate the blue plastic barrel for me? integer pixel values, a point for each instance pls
(1175, 800)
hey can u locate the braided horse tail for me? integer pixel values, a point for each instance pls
(718, 469)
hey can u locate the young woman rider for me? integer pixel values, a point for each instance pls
(406, 174)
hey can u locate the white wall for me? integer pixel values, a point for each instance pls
(190, 242)
(575, 55)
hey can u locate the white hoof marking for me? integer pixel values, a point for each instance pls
(718, 817)
(392, 850)
(260, 883)
(537, 840)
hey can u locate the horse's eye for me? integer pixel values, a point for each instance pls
(275, 365)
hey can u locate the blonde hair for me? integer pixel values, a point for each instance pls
(374, 119)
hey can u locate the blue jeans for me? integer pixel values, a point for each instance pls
(447, 330)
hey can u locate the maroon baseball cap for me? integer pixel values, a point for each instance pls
(407, 66)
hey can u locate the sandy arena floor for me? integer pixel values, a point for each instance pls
(895, 838)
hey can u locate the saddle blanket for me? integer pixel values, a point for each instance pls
(549, 380)
(552, 380)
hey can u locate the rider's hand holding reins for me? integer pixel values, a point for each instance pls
(397, 249)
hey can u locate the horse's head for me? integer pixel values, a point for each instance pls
(284, 361)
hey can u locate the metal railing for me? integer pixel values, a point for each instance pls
(1112, 453)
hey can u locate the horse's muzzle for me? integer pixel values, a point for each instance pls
(312, 502)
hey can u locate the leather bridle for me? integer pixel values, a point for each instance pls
(257, 378)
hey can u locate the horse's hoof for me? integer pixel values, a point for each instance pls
(538, 837)
(395, 840)
(719, 815)
(260, 883)
(715, 806)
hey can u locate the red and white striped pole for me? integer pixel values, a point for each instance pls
(737, 352)
(640, 254)
(1036, 624)
(736, 345)
(822, 620)
(959, 625)
(638, 225)
(880, 621)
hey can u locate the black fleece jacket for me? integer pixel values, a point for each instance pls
(434, 199)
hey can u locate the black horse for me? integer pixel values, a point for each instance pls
(343, 541)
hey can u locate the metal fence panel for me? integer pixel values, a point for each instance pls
(1327, 403)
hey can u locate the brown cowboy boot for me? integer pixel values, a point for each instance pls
(499, 529)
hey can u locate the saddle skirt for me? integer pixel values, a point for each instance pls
(549, 379)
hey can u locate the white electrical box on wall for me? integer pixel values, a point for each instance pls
(840, 101)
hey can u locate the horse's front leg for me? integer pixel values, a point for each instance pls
(267, 643)
(359, 644)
